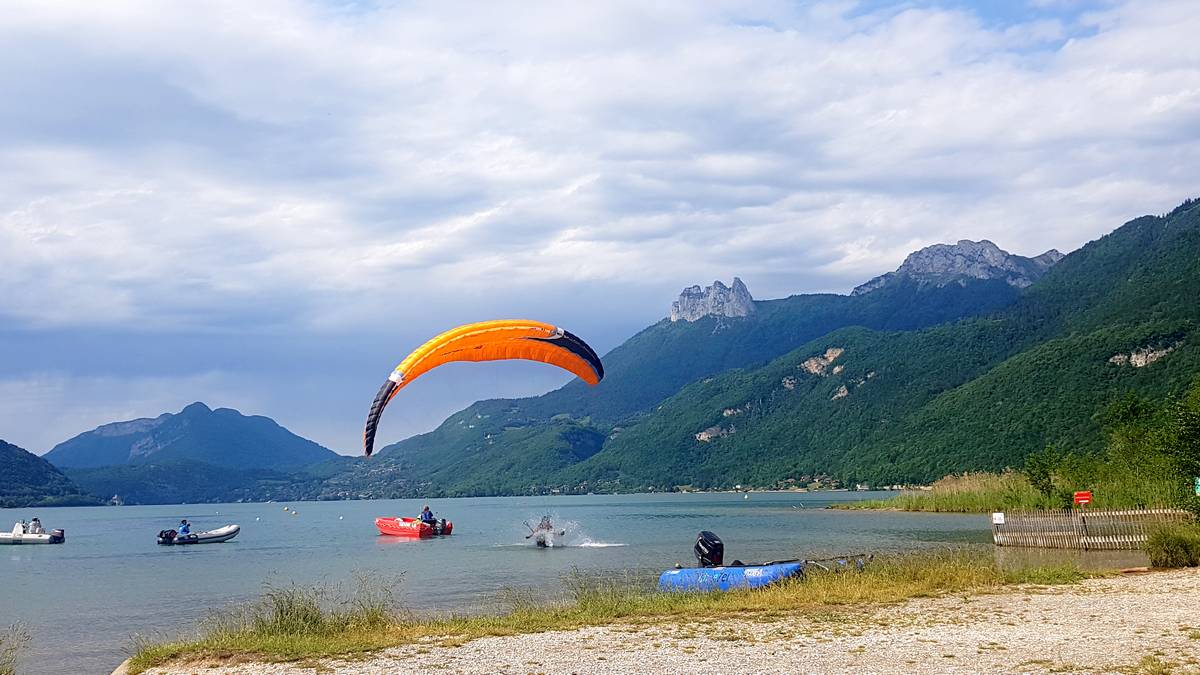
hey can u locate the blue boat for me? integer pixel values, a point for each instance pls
(729, 578)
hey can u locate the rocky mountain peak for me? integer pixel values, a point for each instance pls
(944, 264)
(695, 303)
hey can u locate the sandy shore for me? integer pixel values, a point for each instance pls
(1124, 624)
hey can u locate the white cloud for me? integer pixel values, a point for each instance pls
(83, 403)
(324, 154)
(304, 165)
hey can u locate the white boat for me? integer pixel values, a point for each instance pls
(20, 536)
(172, 538)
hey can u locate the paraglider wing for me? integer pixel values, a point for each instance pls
(488, 341)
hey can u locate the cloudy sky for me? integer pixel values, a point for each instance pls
(266, 205)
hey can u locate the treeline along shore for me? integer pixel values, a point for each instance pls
(1151, 458)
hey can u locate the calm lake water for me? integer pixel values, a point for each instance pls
(84, 600)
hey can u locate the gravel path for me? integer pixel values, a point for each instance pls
(1125, 624)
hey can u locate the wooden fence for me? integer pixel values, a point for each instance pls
(1090, 530)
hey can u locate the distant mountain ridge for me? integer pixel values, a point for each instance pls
(943, 264)
(28, 480)
(222, 437)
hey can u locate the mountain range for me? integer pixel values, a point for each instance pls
(222, 437)
(966, 357)
(196, 455)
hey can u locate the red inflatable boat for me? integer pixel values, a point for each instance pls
(412, 527)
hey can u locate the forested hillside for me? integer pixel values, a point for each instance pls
(502, 446)
(29, 480)
(1119, 315)
(901, 398)
(191, 482)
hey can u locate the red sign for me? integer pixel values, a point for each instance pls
(1083, 497)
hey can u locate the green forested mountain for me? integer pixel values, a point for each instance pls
(221, 437)
(29, 480)
(655, 363)
(188, 481)
(1120, 315)
(503, 446)
(972, 376)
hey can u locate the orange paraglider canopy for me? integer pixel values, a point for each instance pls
(488, 341)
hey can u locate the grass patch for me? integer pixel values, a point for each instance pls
(12, 640)
(1151, 665)
(298, 623)
(1174, 546)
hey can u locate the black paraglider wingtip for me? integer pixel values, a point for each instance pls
(578, 347)
(377, 406)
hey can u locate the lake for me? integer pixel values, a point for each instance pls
(84, 600)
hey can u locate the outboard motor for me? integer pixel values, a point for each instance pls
(709, 550)
(57, 536)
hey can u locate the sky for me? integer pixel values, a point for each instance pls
(266, 205)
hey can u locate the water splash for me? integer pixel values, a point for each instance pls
(567, 534)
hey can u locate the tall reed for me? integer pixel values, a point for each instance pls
(1174, 546)
(967, 493)
(985, 492)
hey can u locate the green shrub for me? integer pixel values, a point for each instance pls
(1174, 546)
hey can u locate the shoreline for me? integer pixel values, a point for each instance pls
(1144, 622)
(821, 491)
(300, 625)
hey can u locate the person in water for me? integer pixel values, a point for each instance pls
(184, 527)
(543, 533)
(427, 515)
